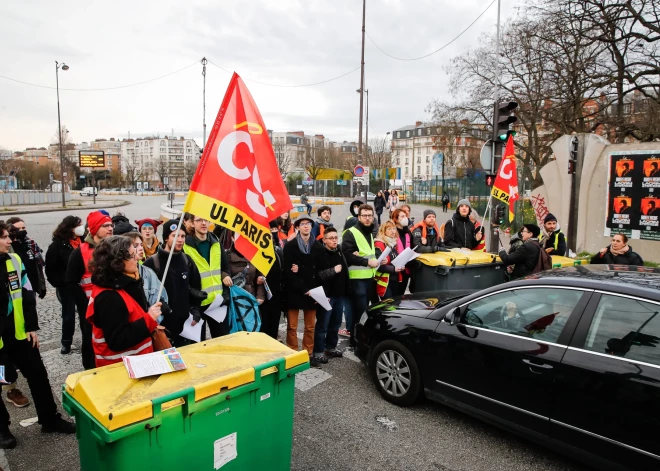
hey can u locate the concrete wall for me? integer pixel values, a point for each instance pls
(21, 198)
(554, 195)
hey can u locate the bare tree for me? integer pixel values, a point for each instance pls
(313, 160)
(133, 170)
(162, 168)
(189, 172)
(284, 156)
(381, 153)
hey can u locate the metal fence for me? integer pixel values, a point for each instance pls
(336, 188)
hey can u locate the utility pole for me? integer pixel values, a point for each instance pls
(360, 148)
(204, 62)
(494, 232)
(63, 66)
(576, 158)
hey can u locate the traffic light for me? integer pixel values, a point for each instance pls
(500, 211)
(490, 179)
(573, 155)
(503, 118)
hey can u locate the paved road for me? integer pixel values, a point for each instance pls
(340, 422)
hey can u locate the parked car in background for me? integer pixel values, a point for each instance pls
(89, 191)
(569, 358)
(370, 196)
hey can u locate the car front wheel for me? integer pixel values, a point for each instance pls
(395, 373)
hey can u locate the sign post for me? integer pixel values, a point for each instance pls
(92, 159)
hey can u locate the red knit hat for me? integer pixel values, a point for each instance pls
(96, 219)
(142, 222)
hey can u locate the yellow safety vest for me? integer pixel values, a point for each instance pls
(366, 250)
(556, 244)
(211, 273)
(14, 264)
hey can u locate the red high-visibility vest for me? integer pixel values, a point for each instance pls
(86, 251)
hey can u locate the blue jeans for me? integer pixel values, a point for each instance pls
(68, 315)
(362, 291)
(309, 209)
(326, 333)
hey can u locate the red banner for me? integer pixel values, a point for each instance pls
(505, 187)
(237, 184)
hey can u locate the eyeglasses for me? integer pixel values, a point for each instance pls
(304, 224)
(368, 216)
(331, 238)
(525, 231)
(201, 221)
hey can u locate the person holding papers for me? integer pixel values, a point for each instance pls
(332, 271)
(299, 279)
(400, 218)
(388, 277)
(183, 282)
(122, 323)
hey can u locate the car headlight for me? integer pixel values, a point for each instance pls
(364, 318)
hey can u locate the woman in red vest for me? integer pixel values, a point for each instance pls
(122, 323)
(400, 218)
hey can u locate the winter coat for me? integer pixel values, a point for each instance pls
(334, 284)
(34, 272)
(393, 202)
(122, 225)
(297, 284)
(525, 258)
(433, 241)
(237, 264)
(460, 232)
(549, 242)
(275, 282)
(629, 258)
(182, 276)
(379, 204)
(316, 229)
(57, 258)
(151, 285)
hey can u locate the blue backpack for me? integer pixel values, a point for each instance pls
(243, 311)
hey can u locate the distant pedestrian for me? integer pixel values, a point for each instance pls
(393, 202)
(459, 231)
(554, 242)
(285, 230)
(304, 199)
(379, 204)
(445, 201)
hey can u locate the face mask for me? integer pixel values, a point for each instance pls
(21, 234)
(79, 231)
(403, 221)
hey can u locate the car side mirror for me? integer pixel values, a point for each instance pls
(453, 317)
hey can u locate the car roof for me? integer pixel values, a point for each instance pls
(625, 279)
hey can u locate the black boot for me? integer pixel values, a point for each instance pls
(58, 425)
(7, 440)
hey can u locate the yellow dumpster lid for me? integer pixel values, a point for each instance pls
(443, 259)
(225, 363)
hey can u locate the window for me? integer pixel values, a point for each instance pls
(427, 170)
(419, 159)
(419, 169)
(398, 160)
(407, 160)
(428, 159)
(419, 132)
(406, 171)
(538, 313)
(162, 143)
(626, 327)
(407, 133)
(188, 144)
(398, 134)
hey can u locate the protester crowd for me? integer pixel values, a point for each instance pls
(131, 301)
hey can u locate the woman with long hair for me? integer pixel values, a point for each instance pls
(379, 204)
(66, 237)
(393, 203)
(404, 238)
(285, 228)
(122, 323)
(387, 276)
(618, 253)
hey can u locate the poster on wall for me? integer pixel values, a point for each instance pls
(633, 196)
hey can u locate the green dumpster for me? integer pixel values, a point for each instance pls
(231, 409)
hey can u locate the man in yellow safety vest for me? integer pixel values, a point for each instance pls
(360, 253)
(19, 344)
(204, 249)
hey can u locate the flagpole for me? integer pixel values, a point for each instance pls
(169, 257)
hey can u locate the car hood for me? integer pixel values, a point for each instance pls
(419, 304)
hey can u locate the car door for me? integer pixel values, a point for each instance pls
(501, 358)
(608, 392)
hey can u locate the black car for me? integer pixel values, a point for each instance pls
(569, 358)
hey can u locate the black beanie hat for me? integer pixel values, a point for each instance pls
(428, 212)
(533, 228)
(549, 217)
(169, 227)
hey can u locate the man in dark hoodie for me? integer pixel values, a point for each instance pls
(78, 278)
(122, 224)
(360, 253)
(332, 271)
(322, 222)
(555, 241)
(205, 250)
(459, 230)
(525, 257)
(353, 220)
(182, 283)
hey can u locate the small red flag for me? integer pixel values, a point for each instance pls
(237, 183)
(505, 187)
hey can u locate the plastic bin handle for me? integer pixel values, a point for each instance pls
(188, 395)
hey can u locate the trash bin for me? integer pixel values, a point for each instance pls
(231, 409)
(456, 270)
(559, 262)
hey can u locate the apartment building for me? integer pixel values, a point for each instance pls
(35, 155)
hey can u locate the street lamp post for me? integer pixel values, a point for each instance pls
(63, 66)
(359, 90)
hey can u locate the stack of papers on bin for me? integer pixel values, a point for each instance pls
(151, 364)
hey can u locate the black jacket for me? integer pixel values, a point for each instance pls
(75, 270)
(525, 258)
(275, 282)
(379, 204)
(34, 273)
(433, 241)
(348, 245)
(57, 258)
(334, 284)
(182, 275)
(111, 314)
(297, 284)
(122, 225)
(460, 232)
(549, 243)
(628, 258)
(29, 302)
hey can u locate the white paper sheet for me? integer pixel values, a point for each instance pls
(218, 314)
(192, 332)
(385, 253)
(404, 257)
(319, 296)
(224, 450)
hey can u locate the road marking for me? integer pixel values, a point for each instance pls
(4, 464)
(307, 379)
(351, 356)
(387, 423)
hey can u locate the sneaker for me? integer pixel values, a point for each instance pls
(65, 350)
(334, 353)
(322, 359)
(7, 440)
(344, 333)
(314, 362)
(58, 425)
(16, 397)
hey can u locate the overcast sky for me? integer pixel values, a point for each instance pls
(109, 44)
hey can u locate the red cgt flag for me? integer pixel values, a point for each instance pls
(505, 187)
(237, 184)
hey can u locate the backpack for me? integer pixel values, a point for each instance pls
(243, 311)
(544, 261)
(442, 229)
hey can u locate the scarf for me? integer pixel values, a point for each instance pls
(135, 276)
(75, 242)
(623, 250)
(149, 251)
(304, 248)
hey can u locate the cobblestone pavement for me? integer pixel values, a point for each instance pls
(340, 421)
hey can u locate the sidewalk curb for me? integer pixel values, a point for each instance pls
(70, 208)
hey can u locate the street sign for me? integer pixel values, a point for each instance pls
(486, 155)
(342, 182)
(359, 171)
(91, 158)
(166, 180)
(65, 174)
(139, 185)
(50, 177)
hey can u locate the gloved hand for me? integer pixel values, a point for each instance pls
(197, 315)
(441, 249)
(165, 309)
(42, 293)
(197, 294)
